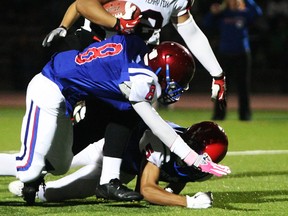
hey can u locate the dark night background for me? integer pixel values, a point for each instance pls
(24, 24)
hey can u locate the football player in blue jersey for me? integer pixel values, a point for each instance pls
(119, 72)
(154, 17)
(147, 158)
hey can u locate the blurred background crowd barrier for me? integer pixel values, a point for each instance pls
(24, 24)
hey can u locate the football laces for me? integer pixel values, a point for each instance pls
(119, 15)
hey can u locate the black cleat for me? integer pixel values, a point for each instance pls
(30, 189)
(114, 190)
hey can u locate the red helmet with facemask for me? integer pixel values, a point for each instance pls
(207, 137)
(175, 67)
(204, 137)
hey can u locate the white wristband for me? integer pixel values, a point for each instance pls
(190, 203)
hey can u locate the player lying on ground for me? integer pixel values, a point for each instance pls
(147, 158)
(118, 72)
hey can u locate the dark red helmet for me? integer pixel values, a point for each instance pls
(175, 67)
(207, 137)
(204, 137)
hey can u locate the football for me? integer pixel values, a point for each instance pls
(122, 9)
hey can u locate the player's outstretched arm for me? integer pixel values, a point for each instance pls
(153, 193)
(68, 20)
(165, 132)
(174, 142)
(199, 45)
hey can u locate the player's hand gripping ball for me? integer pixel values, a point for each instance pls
(127, 13)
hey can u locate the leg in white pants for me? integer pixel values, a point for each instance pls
(46, 133)
(83, 182)
(80, 184)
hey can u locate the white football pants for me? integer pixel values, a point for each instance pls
(46, 133)
(81, 183)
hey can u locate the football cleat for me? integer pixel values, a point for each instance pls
(30, 189)
(200, 200)
(115, 190)
(15, 187)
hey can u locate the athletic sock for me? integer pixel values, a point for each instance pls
(110, 169)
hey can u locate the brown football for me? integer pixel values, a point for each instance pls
(122, 9)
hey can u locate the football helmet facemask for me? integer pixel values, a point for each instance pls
(175, 67)
(204, 137)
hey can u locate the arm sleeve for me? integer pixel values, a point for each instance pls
(199, 45)
(165, 132)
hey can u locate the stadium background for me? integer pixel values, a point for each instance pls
(24, 24)
(258, 185)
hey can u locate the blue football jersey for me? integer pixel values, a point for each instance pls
(157, 153)
(97, 70)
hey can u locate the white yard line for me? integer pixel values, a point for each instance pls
(257, 152)
(232, 153)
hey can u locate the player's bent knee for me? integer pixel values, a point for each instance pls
(60, 171)
(30, 175)
(61, 168)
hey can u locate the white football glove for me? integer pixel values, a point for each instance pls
(205, 164)
(79, 112)
(200, 200)
(58, 32)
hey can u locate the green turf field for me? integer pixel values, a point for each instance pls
(257, 185)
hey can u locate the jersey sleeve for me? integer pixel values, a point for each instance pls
(142, 86)
(156, 152)
(142, 91)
